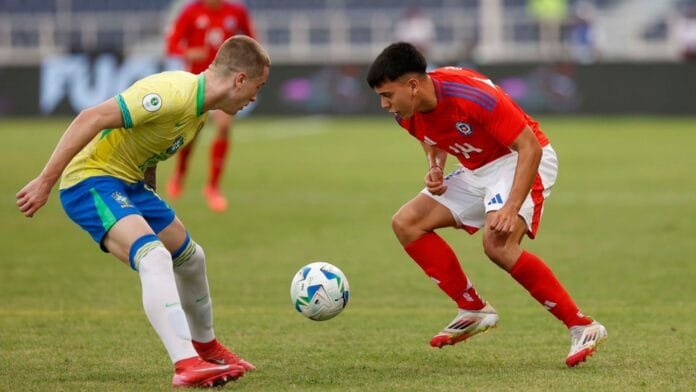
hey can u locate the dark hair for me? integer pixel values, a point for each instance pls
(395, 61)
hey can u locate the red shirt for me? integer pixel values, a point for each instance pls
(197, 25)
(473, 120)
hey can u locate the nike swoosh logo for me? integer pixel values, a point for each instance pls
(212, 369)
(171, 304)
(218, 361)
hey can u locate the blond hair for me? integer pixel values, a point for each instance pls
(241, 54)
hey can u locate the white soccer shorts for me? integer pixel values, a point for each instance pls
(473, 193)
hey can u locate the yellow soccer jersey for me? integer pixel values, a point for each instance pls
(161, 113)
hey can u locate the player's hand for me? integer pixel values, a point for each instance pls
(435, 181)
(33, 196)
(503, 221)
(196, 54)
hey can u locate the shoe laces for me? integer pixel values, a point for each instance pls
(220, 352)
(582, 334)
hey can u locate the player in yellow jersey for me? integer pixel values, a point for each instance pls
(107, 158)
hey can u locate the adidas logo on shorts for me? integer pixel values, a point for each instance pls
(497, 199)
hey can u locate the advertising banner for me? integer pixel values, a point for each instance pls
(67, 84)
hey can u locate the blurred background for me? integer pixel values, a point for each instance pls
(553, 56)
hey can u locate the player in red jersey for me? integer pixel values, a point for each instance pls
(507, 170)
(197, 33)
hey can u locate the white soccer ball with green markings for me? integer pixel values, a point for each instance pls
(319, 291)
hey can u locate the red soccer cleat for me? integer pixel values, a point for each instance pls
(195, 372)
(215, 352)
(467, 324)
(216, 201)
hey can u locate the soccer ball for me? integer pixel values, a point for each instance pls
(319, 291)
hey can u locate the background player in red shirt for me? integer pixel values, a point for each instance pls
(507, 170)
(197, 33)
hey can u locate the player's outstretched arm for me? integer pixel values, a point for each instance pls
(84, 127)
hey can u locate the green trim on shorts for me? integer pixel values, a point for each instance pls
(200, 94)
(127, 120)
(105, 215)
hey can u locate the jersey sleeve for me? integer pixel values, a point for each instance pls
(501, 118)
(147, 101)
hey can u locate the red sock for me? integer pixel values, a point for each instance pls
(182, 161)
(204, 346)
(439, 262)
(218, 153)
(535, 276)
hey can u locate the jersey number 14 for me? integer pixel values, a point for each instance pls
(464, 149)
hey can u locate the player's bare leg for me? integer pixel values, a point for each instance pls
(414, 225)
(418, 217)
(132, 241)
(504, 248)
(218, 157)
(535, 276)
(192, 284)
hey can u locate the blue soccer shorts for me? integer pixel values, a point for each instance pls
(97, 203)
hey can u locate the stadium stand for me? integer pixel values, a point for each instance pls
(334, 31)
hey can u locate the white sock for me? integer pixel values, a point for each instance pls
(161, 301)
(192, 283)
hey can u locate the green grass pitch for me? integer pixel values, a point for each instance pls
(619, 230)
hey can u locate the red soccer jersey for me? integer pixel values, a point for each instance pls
(198, 25)
(474, 120)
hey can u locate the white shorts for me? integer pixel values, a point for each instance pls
(473, 193)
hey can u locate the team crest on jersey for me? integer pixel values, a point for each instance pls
(176, 145)
(463, 128)
(152, 102)
(121, 199)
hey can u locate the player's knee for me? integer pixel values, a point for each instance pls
(401, 223)
(407, 226)
(492, 248)
(499, 251)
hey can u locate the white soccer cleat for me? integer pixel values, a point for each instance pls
(583, 342)
(467, 324)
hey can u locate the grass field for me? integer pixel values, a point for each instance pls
(619, 230)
